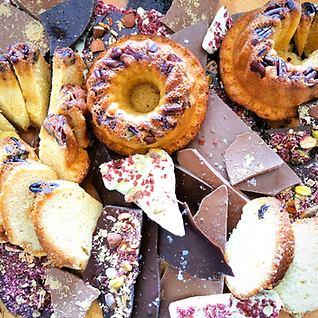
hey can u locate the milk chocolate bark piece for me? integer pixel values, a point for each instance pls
(71, 297)
(218, 131)
(34, 8)
(249, 156)
(161, 6)
(67, 21)
(211, 217)
(192, 37)
(184, 13)
(114, 262)
(176, 285)
(193, 253)
(147, 288)
(193, 161)
(19, 27)
(190, 188)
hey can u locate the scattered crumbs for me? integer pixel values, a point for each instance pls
(5, 10)
(34, 31)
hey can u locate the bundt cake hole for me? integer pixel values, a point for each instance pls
(145, 97)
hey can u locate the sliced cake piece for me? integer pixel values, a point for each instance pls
(71, 101)
(68, 68)
(60, 150)
(312, 41)
(65, 217)
(5, 125)
(16, 201)
(12, 103)
(34, 75)
(149, 181)
(298, 289)
(260, 248)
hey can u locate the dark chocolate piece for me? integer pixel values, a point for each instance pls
(211, 217)
(34, 8)
(192, 37)
(193, 253)
(184, 13)
(176, 285)
(249, 156)
(19, 27)
(71, 297)
(147, 288)
(193, 161)
(161, 6)
(219, 130)
(67, 21)
(114, 262)
(190, 188)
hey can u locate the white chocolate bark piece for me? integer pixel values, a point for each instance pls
(217, 30)
(265, 304)
(149, 181)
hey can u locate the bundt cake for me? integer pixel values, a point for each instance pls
(299, 285)
(146, 92)
(34, 76)
(60, 150)
(16, 201)
(12, 103)
(259, 63)
(260, 248)
(68, 68)
(64, 218)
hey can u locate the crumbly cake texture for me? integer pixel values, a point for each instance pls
(257, 69)
(260, 249)
(179, 83)
(297, 289)
(58, 203)
(22, 283)
(265, 304)
(149, 181)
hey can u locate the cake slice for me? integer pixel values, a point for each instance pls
(12, 103)
(298, 289)
(60, 150)
(260, 248)
(68, 68)
(65, 217)
(34, 76)
(16, 201)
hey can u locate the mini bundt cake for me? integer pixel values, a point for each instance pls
(16, 201)
(60, 150)
(260, 248)
(146, 92)
(34, 76)
(298, 289)
(68, 68)
(65, 217)
(71, 101)
(12, 103)
(260, 69)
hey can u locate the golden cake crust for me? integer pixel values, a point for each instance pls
(257, 69)
(160, 65)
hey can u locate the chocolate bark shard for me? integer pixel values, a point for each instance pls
(215, 136)
(190, 188)
(176, 285)
(249, 156)
(19, 27)
(193, 161)
(147, 288)
(71, 297)
(161, 6)
(184, 13)
(211, 217)
(192, 37)
(193, 253)
(34, 8)
(114, 261)
(67, 21)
